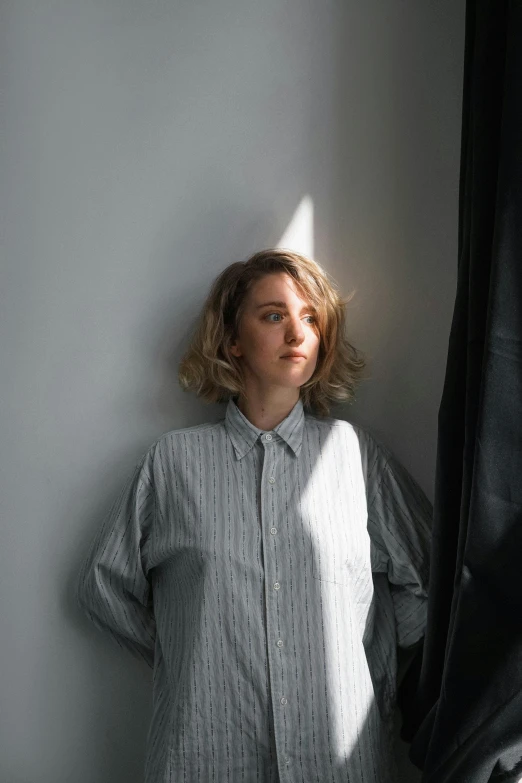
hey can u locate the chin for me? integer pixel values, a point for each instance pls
(294, 383)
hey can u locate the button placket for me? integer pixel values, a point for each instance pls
(275, 605)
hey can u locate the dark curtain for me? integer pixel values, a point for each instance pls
(467, 727)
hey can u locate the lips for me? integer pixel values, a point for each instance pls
(293, 356)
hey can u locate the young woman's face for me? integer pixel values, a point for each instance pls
(275, 322)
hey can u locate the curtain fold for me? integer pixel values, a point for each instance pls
(467, 725)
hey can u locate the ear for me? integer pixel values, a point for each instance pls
(234, 349)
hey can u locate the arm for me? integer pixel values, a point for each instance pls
(399, 524)
(113, 588)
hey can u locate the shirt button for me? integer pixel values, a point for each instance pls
(276, 585)
(268, 437)
(279, 642)
(284, 701)
(271, 480)
(273, 530)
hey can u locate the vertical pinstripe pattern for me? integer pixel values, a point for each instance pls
(269, 582)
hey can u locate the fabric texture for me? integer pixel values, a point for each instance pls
(268, 578)
(469, 722)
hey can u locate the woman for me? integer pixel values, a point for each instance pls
(267, 566)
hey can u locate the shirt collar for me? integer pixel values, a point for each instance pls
(244, 434)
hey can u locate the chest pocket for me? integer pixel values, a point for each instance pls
(329, 565)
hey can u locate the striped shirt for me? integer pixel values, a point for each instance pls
(268, 578)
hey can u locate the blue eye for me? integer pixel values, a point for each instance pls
(268, 316)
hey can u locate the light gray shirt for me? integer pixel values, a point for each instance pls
(268, 578)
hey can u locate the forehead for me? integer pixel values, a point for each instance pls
(280, 286)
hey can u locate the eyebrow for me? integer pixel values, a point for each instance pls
(282, 306)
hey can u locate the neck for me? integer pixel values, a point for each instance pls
(267, 411)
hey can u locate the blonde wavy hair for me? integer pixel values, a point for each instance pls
(214, 374)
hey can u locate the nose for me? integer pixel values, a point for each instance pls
(295, 330)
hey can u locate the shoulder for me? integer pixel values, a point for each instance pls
(372, 447)
(359, 445)
(177, 441)
(193, 432)
(367, 441)
(362, 448)
(328, 424)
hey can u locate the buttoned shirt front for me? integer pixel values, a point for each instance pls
(268, 578)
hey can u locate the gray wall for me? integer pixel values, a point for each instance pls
(144, 146)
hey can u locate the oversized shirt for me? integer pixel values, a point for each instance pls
(268, 577)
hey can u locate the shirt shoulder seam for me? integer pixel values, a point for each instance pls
(187, 430)
(329, 421)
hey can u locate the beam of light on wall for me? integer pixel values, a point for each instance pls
(299, 234)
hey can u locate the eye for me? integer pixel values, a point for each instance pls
(269, 315)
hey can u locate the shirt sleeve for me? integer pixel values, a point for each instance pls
(113, 588)
(399, 525)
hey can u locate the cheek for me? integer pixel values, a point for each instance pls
(262, 349)
(316, 343)
(265, 343)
